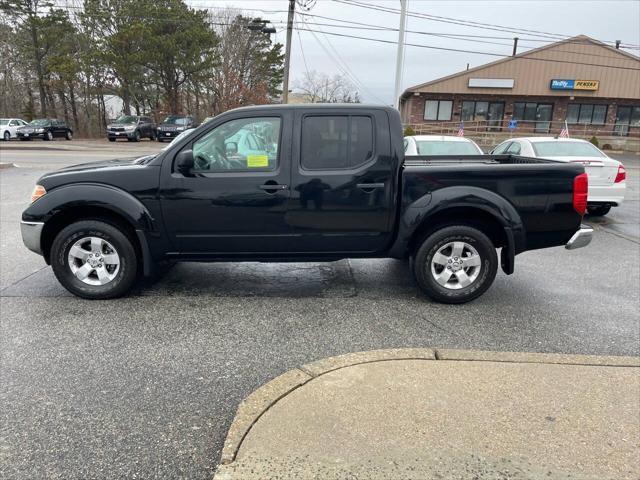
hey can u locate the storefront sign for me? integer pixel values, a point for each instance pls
(491, 82)
(557, 84)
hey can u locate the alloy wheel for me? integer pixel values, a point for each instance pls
(94, 261)
(456, 265)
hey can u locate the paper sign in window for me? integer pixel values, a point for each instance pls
(257, 161)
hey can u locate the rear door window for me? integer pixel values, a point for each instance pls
(336, 142)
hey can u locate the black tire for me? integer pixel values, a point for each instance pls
(69, 135)
(112, 139)
(422, 264)
(24, 139)
(136, 136)
(152, 137)
(598, 210)
(123, 245)
(6, 136)
(48, 136)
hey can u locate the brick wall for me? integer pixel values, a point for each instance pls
(414, 112)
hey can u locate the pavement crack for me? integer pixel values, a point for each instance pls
(438, 327)
(22, 279)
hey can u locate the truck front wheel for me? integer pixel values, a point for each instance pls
(455, 264)
(94, 260)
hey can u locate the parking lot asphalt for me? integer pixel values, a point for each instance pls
(146, 386)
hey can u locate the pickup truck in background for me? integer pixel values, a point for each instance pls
(283, 183)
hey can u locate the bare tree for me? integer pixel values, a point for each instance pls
(321, 88)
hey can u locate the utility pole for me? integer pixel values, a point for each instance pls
(400, 53)
(287, 54)
(515, 46)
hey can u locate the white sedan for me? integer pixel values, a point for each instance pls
(440, 145)
(9, 128)
(607, 177)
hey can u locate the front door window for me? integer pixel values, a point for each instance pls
(244, 144)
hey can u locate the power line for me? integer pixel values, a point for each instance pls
(467, 23)
(470, 51)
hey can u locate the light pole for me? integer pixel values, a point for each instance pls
(287, 54)
(400, 53)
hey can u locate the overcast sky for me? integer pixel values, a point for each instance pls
(373, 64)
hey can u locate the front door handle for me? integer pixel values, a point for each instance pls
(273, 186)
(369, 186)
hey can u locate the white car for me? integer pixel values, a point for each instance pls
(9, 128)
(607, 177)
(440, 145)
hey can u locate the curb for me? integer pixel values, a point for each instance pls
(259, 401)
(4, 166)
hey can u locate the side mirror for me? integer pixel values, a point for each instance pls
(184, 162)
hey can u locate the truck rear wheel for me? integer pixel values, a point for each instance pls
(455, 264)
(94, 260)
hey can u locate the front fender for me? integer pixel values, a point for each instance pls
(86, 195)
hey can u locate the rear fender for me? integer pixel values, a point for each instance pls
(417, 214)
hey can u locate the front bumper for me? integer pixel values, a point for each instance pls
(581, 238)
(131, 134)
(168, 133)
(30, 135)
(31, 234)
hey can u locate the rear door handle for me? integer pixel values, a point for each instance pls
(369, 186)
(274, 186)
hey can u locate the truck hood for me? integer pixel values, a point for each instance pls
(117, 163)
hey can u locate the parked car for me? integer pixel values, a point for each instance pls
(132, 127)
(173, 125)
(440, 145)
(336, 185)
(46, 129)
(607, 177)
(9, 128)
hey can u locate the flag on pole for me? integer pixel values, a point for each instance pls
(461, 130)
(564, 133)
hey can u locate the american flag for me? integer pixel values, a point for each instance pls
(461, 129)
(564, 133)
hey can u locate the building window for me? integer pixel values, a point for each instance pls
(491, 112)
(587, 114)
(540, 114)
(438, 109)
(627, 117)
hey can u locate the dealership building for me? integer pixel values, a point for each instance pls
(592, 86)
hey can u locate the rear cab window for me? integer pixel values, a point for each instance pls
(336, 142)
(440, 147)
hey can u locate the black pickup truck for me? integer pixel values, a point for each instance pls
(283, 183)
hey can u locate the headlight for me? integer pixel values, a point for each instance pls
(128, 129)
(39, 130)
(38, 191)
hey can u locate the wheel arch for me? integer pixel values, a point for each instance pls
(487, 211)
(65, 205)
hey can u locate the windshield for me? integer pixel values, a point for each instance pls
(41, 122)
(127, 119)
(176, 120)
(566, 149)
(4, 121)
(439, 147)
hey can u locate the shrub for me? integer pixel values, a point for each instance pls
(408, 132)
(594, 141)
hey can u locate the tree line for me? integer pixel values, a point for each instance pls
(159, 56)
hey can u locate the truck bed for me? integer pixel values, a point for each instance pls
(425, 160)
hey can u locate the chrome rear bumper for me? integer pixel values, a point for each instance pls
(581, 238)
(31, 232)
